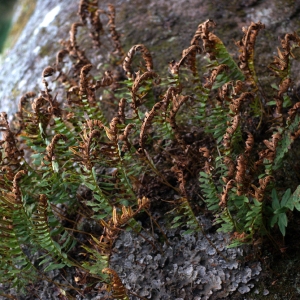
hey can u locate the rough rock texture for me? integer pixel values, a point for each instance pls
(165, 27)
(189, 267)
(35, 49)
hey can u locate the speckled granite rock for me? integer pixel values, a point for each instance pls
(189, 267)
(165, 27)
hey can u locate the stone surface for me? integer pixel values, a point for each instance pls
(165, 27)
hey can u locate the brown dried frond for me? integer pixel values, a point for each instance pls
(124, 137)
(271, 145)
(240, 236)
(178, 101)
(97, 27)
(8, 172)
(214, 73)
(188, 59)
(112, 131)
(127, 213)
(240, 173)
(85, 155)
(180, 178)
(293, 111)
(283, 88)
(137, 84)
(234, 125)
(12, 154)
(265, 154)
(83, 11)
(173, 67)
(38, 105)
(129, 57)
(203, 33)
(249, 143)
(84, 80)
(236, 103)
(59, 58)
(48, 71)
(225, 91)
(121, 111)
(119, 291)
(112, 28)
(210, 41)
(113, 226)
(238, 87)
(224, 196)
(246, 46)
(230, 131)
(50, 148)
(73, 33)
(147, 123)
(92, 124)
(107, 80)
(169, 95)
(16, 189)
(295, 135)
(231, 167)
(23, 100)
(73, 95)
(280, 65)
(205, 152)
(260, 191)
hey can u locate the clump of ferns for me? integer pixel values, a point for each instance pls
(239, 177)
(208, 126)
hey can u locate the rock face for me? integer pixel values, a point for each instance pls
(164, 27)
(35, 49)
(189, 267)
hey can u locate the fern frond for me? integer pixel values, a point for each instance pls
(119, 291)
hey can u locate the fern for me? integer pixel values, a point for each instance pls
(209, 191)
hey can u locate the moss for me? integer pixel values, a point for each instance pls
(27, 8)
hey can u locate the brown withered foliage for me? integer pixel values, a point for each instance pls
(214, 73)
(188, 59)
(50, 148)
(16, 189)
(236, 103)
(147, 123)
(112, 28)
(129, 57)
(240, 174)
(224, 196)
(281, 62)
(246, 46)
(13, 154)
(177, 103)
(139, 79)
(124, 137)
(119, 291)
(230, 131)
(208, 38)
(259, 192)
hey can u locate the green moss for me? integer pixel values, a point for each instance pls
(27, 8)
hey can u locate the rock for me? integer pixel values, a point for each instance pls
(166, 28)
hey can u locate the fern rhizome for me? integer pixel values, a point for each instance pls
(76, 171)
